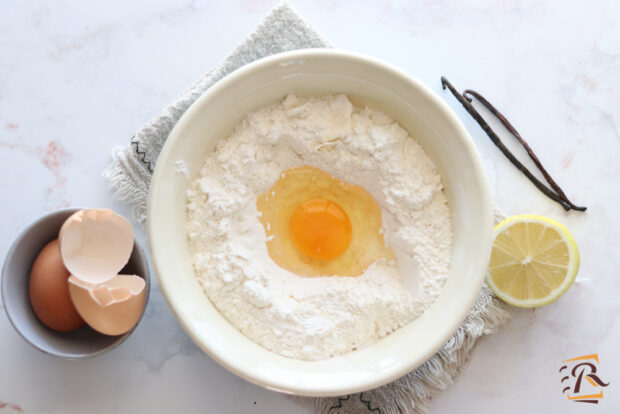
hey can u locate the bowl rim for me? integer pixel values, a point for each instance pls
(3, 290)
(478, 171)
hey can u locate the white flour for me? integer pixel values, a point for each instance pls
(315, 318)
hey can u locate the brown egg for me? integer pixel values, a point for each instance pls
(49, 291)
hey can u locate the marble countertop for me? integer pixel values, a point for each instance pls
(77, 78)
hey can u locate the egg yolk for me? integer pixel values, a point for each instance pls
(317, 225)
(320, 229)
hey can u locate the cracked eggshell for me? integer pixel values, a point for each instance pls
(113, 307)
(95, 244)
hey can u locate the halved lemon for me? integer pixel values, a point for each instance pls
(533, 262)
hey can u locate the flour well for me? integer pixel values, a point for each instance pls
(316, 318)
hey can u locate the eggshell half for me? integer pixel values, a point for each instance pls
(95, 244)
(113, 307)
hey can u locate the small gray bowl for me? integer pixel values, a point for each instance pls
(81, 343)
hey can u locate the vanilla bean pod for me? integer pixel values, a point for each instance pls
(524, 144)
(463, 100)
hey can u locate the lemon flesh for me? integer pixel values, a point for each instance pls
(533, 262)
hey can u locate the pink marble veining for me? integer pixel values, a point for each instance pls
(10, 406)
(80, 42)
(54, 157)
(568, 160)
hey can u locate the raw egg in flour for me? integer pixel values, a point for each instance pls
(317, 225)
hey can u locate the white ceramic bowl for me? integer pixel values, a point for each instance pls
(366, 81)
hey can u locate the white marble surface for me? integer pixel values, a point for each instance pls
(77, 78)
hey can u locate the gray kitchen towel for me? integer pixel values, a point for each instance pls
(130, 175)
